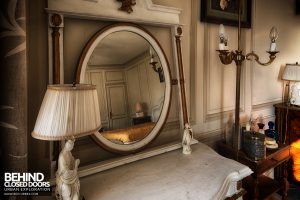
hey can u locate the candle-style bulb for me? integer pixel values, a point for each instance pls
(273, 34)
(221, 31)
(226, 42)
(151, 58)
(222, 38)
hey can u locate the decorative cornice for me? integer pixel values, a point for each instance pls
(144, 11)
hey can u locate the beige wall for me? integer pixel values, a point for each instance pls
(213, 84)
(288, 24)
(210, 85)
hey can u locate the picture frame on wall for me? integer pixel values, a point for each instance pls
(226, 12)
(297, 5)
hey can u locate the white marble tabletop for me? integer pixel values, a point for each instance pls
(170, 176)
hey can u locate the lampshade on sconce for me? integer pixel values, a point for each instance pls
(291, 73)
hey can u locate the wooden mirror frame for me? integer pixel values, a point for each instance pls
(80, 75)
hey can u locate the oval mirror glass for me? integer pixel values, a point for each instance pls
(132, 78)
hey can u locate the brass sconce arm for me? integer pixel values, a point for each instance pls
(226, 56)
(159, 70)
(154, 67)
(272, 57)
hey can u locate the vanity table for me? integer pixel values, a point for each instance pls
(202, 175)
(258, 185)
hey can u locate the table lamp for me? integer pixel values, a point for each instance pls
(67, 112)
(291, 73)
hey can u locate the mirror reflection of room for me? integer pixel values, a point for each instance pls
(130, 83)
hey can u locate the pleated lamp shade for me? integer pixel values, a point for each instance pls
(291, 72)
(68, 112)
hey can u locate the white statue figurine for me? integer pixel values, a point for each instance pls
(187, 139)
(67, 182)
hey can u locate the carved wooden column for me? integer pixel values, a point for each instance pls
(55, 23)
(13, 88)
(181, 75)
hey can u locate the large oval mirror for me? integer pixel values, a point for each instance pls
(132, 76)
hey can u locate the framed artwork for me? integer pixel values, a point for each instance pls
(297, 7)
(226, 12)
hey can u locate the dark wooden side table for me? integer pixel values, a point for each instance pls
(287, 122)
(259, 186)
(141, 120)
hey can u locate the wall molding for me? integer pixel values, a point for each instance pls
(212, 113)
(264, 105)
(267, 101)
(195, 10)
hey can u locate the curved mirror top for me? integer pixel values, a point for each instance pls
(132, 79)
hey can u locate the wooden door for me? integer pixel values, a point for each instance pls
(96, 78)
(117, 106)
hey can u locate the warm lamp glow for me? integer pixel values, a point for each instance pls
(295, 152)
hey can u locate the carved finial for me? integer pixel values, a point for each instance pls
(127, 5)
(179, 30)
(56, 20)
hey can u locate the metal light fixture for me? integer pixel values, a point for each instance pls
(238, 57)
(156, 68)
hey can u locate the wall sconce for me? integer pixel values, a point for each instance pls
(156, 68)
(226, 57)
